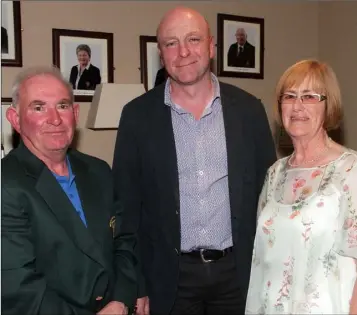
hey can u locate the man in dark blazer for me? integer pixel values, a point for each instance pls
(189, 177)
(62, 250)
(241, 53)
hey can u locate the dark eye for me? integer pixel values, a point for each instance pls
(194, 39)
(38, 108)
(63, 105)
(170, 44)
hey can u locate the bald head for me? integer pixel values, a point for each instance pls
(181, 16)
(241, 36)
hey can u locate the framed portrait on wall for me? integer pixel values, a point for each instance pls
(85, 59)
(240, 46)
(151, 69)
(11, 42)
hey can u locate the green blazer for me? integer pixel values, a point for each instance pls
(52, 263)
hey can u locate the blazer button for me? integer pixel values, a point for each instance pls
(177, 252)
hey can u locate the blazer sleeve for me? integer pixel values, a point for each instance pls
(24, 290)
(124, 258)
(99, 78)
(126, 169)
(265, 146)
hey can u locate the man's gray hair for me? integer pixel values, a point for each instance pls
(31, 72)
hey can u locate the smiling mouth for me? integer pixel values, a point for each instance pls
(188, 64)
(299, 119)
(55, 132)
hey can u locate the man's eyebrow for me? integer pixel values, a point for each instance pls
(171, 37)
(40, 102)
(65, 100)
(37, 102)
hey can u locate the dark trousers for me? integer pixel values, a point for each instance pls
(208, 288)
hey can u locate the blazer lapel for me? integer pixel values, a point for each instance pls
(91, 199)
(167, 166)
(60, 205)
(235, 153)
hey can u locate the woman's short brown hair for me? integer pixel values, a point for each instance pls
(323, 80)
(84, 47)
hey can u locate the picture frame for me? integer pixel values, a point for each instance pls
(240, 46)
(11, 38)
(151, 70)
(92, 52)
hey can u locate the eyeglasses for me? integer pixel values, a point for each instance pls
(306, 98)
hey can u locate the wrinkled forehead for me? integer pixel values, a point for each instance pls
(43, 87)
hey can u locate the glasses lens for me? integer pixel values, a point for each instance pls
(288, 98)
(310, 98)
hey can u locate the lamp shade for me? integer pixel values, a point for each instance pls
(108, 102)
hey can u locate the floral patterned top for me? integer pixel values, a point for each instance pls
(306, 241)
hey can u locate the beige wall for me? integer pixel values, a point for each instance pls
(338, 46)
(292, 31)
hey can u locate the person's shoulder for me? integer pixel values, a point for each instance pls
(238, 96)
(250, 45)
(11, 168)
(94, 68)
(348, 159)
(278, 164)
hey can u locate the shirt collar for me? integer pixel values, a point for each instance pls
(87, 66)
(70, 177)
(168, 101)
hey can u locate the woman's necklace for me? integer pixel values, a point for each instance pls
(315, 159)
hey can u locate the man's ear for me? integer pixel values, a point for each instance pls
(160, 55)
(13, 117)
(76, 112)
(212, 48)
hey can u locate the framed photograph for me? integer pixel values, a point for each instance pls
(11, 44)
(85, 59)
(9, 137)
(240, 46)
(151, 69)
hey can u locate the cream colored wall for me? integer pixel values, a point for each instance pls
(338, 46)
(291, 33)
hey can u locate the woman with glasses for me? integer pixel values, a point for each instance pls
(305, 250)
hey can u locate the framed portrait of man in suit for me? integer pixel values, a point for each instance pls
(240, 46)
(151, 69)
(85, 59)
(11, 44)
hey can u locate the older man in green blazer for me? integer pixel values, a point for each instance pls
(62, 250)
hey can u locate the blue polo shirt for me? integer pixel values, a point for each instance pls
(68, 184)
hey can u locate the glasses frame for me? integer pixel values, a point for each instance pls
(299, 97)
